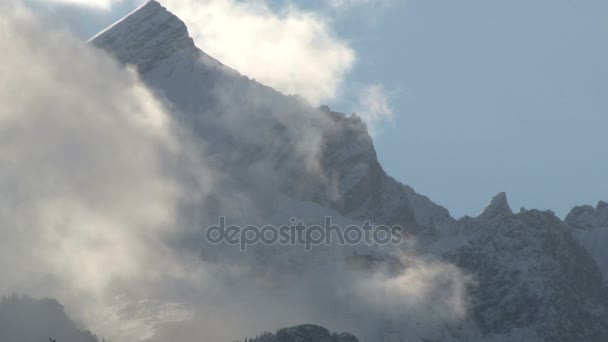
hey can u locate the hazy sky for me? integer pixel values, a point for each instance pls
(485, 96)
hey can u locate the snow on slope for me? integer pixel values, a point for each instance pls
(534, 281)
(145, 36)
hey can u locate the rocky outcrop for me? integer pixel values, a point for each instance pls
(590, 227)
(304, 333)
(588, 217)
(533, 279)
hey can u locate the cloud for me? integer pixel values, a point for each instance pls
(88, 172)
(290, 49)
(374, 105)
(293, 50)
(98, 4)
(345, 4)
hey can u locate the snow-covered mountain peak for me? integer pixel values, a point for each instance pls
(148, 34)
(497, 208)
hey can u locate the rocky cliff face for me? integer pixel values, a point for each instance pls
(362, 190)
(534, 280)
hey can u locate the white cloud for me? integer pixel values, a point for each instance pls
(292, 50)
(100, 4)
(343, 4)
(86, 170)
(374, 105)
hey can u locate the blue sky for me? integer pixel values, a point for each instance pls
(488, 96)
(494, 96)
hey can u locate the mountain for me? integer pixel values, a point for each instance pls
(535, 277)
(212, 97)
(304, 333)
(27, 319)
(590, 228)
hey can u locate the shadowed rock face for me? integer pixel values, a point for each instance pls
(590, 227)
(305, 333)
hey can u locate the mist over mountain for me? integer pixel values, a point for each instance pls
(27, 319)
(123, 150)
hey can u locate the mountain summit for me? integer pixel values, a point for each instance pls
(146, 35)
(498, 207)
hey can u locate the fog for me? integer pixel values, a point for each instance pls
(104, 194)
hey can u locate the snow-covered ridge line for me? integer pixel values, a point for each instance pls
(149, 6)
(145, 36)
